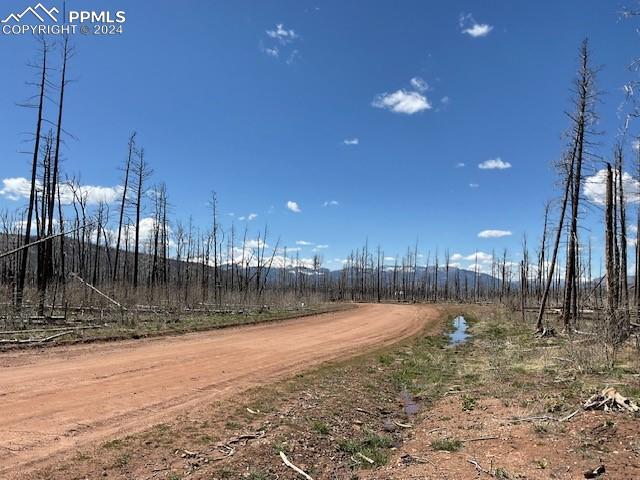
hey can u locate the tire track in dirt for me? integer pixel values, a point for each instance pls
(59, 399)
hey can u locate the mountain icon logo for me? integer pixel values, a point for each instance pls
(39, 11)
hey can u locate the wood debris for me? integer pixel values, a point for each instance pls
(595, 473)
(35, 340)
(365, 458)
(296, 469)
(610, 399)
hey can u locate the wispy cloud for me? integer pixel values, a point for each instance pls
(281, 34)
(419, 84)
(494, 233)
(251, 216)
(474, 185)
(293, 206)
(331, 203)
(460, 165)
(469, 26)
(279, 43)
(303, 243)
(351, 141)
(494, 164)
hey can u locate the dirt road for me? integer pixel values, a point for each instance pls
(55, 400)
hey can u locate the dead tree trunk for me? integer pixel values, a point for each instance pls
(581, 118)
(125, 190)
(556, 245)
(22, 272)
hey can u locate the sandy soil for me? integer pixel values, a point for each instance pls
(59, 399)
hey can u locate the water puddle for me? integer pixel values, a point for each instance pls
(459, 334)
(409, 404)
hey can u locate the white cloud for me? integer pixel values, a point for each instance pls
(595, 187)
(293, 206)
(494, 233)
(303, 242)
(255, 243)
(272, 52)
(20, 187)
(248, 218)
(474, 185)
(459, 165)
(331, 203)
(351, 141)
(478, 30)
(445, 100)
(402, 101)
(321, 247)
(281, 34)
(292, 56)
(15, 188)
(289, 250)
(470, 27)
(494, 164)
(482, 257)
(419, 84)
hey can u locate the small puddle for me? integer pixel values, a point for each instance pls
(409, 404)
(459, 334)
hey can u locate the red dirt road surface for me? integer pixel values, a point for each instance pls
(55, 400)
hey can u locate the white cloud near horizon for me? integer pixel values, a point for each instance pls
(494, 233)
(20, 188)
(304, 242)
(482, 257)
(494, 164)
(293, 206)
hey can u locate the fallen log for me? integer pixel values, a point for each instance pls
(80, 279)
(34, 340)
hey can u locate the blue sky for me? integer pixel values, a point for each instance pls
(216, 109)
